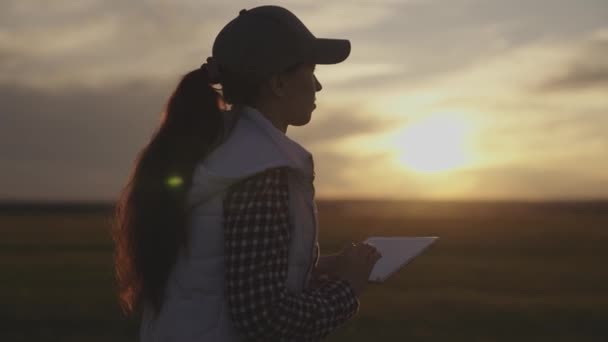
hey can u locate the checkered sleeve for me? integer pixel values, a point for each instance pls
(256, 223)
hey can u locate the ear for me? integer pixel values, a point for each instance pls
(277, 85)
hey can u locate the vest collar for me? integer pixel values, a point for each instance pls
(298, 155)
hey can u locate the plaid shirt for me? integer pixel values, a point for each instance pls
(256, 251)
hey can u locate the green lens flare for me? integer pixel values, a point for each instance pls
(175, 181)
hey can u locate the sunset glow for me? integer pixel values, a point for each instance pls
(434, 144)
(439, 100)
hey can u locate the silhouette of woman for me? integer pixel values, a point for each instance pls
(216, 230)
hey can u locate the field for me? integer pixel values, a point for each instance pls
(501, 271)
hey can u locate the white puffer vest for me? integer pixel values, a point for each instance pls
(196, 308)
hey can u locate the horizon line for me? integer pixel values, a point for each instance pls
(8, 201)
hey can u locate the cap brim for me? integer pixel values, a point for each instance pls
(330, 51)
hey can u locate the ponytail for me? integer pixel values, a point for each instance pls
(150, 221)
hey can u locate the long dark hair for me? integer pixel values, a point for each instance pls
(149, 226)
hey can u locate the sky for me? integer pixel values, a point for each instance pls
(439, 99)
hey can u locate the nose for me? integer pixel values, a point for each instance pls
(318, 85)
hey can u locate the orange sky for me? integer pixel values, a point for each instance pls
(465, 99)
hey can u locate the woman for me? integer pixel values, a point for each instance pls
(216, 231)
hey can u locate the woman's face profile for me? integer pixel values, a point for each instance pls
(300, 94)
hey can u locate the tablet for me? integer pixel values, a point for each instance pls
(397, 251)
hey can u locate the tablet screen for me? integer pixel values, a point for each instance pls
(397, 251)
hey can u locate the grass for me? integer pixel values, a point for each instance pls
(500, 272)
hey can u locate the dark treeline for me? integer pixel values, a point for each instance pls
(106, 207)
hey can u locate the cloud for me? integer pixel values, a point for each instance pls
(320, 16)
(338, 173)
(580, 77)
(80, 142)
(99, 43)
(589, 70)
(351, 74)
(73, 143)
(328, 126)
(94, 43)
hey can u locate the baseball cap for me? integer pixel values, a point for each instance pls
(268, 39)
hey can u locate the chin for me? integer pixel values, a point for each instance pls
(302, 121)
(301, 118)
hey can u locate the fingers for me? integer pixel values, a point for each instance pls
(365, 250)
(372, 250)
(370, 255)
(350, 246)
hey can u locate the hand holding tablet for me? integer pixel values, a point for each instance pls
(396, 252)
(376, 259)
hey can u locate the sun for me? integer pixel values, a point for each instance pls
(436, 143)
